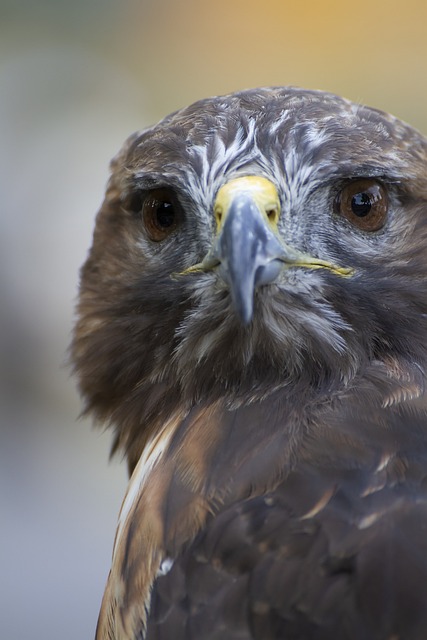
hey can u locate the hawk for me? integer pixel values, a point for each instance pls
(252, 322)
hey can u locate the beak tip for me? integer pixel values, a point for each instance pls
(246, 321)
(244, 310)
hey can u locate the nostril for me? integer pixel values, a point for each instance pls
(218, 216)
(272, 214)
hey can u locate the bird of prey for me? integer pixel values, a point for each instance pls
(252, 322)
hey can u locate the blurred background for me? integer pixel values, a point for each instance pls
(75, 79)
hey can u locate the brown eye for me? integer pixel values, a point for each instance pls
(364, 203)
(159, 214)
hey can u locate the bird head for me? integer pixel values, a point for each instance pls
(267, 238)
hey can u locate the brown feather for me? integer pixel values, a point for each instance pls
(279, 485)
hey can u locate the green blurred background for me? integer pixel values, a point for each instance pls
(75, 79)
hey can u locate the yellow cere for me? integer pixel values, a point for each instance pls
(262, 191)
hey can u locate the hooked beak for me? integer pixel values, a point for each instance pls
(248, 251)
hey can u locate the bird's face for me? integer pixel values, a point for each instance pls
(273, 235)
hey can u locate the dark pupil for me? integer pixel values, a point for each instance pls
(165, 214)
(361, 204)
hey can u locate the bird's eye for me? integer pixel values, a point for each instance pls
(364, 203)
(159, 214)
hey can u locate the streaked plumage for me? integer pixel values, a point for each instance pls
(260, 348)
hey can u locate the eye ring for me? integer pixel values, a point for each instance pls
(364, 203)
